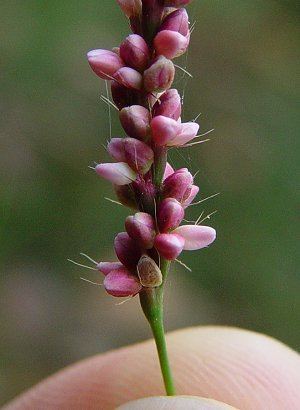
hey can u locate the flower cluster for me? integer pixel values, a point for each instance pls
(141, 73)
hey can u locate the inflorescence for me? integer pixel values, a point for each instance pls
(141, 73)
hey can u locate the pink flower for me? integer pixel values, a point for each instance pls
(106, 267)
(104, 63)
(194, 191)
(168, 105)
(196, 236)
(164, 129)
(169, 245)
(135, 52)
(136, 121)
(178, 185)
(118, 173)
(141, 228)
(187, 132)
(170, 43)
(121, 283)
(129, 78)
(135, 153)
(168, 171)
(170, 214)
(160, 75)
(178, 21)
(127, 250)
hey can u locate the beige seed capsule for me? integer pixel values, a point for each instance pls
(149, 273)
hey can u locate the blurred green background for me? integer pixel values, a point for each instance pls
(243, 59)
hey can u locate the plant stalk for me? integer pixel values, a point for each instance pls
(152, 304)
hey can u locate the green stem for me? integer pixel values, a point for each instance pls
(152, 304)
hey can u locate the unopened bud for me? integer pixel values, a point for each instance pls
(122, 96)
(164, 129)
(135, 153)
(121, 283)
(130, 7)
(171, 44)
(160, 75)
(118, 173)
(169, 245)
(127, 250)
(141, 228)
(178, 21)
(135, 52)
(104, 63)
(168, 105)
(129, 78)
(178, 185)
(170, 214)
(135, 121)
(149, 273)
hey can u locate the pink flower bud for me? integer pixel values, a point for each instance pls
(169, 245)
(106, 267)
(164, 129)
(104, 63)
(190, 198)
(115, 148)
(141, 228)
(129, 78)
(123, 96)
(160, 75)
(176, 3)
(168, 105)
(135, 120)
(135, 52)
(187, 132)
(135, 153)
(130, 7)
(196, 236)
(178, 185)
(171, 44)
(170, 214)
(126, 195)
(168, 171)
(121, 283)
(127, 250)
(118, 173)
(178, 21)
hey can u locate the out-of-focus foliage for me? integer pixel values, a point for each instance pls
(243, 61)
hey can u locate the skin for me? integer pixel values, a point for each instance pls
(245, 370)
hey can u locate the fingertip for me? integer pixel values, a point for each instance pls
(175, 403)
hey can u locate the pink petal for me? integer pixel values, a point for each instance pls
(121, 283)
(169, 245)
(164, 129)
(118, 173)
(169, 170)
(106, 267)
(196, 236)
(190, 198)
(171, 44)
(188, 131)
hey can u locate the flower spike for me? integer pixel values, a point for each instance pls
(141, 73)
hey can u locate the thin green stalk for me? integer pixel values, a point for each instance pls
(152, 304)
